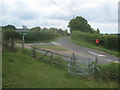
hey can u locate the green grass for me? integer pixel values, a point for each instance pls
(89, 45)
(20, 70)
(52, 47)
(109, 71)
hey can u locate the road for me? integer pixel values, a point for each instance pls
(85, 53)
(82, 53)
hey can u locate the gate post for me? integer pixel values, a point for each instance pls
(95, 68)
(72, 63)
(74, 59)
(51, 57)
(33, 51)
(23, 43)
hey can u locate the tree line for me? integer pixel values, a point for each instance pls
(10, 36)
(81, 30)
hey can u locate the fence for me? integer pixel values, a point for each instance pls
(83, 68)
(73, 65)
(76, 66)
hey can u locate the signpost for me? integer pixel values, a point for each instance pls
(23, 31)
(23, 40)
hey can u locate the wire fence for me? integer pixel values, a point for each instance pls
(73, 65)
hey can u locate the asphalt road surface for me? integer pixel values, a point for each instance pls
(86, 54)
(82, 53)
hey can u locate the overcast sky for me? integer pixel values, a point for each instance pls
(102, 14)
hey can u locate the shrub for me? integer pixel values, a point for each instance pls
(108, 41)
(41, 35)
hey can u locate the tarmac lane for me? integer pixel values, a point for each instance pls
(86, 54)
(81, 53)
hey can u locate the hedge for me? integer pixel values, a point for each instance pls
(111, 42)
(41, 36)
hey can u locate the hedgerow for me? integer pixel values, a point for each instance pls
(108, 41)
(41, 35)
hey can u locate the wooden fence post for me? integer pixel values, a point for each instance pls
(72, 63)
(51, 57)
(23, 43)
(74, 59)
(33, 51)
(95, 68)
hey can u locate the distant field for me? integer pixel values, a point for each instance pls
(20, 70)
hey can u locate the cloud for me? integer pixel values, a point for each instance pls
(99, 13)
(105, 27)
(94, 11)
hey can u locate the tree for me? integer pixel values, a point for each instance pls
(9, 37)
(98, 31)
(65, 33)
(36, 29)
(60, 31)
(9, 27)
(53, 29)
(79, 23)
(44, 29)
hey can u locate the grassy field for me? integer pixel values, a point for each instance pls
(20, 70)
(52, 47)
(89, 45)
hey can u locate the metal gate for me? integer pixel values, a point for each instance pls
(81, 67)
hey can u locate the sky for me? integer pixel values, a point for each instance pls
(102, 14)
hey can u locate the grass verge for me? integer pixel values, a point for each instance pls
(89, 45)
(20, 70)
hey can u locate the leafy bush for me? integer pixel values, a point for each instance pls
(9, 37)
(108, 41)
(111, 41)
(41, 35)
